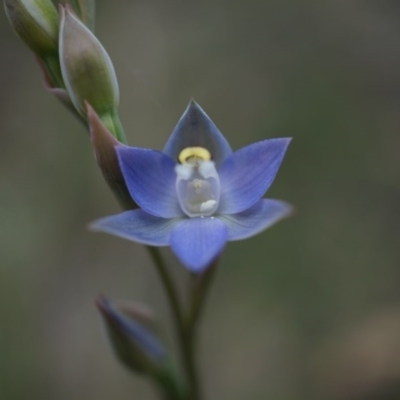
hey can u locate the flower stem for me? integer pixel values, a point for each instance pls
(198, 292)
(189, 350)
(169, 285)
(184, 327)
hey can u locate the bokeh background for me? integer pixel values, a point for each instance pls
(307, 310)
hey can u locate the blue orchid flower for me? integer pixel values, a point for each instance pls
(197, 194)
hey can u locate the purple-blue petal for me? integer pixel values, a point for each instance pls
(248, 173)
(195, 129)
(255, 219)
(197, 242)
(150, 177)
(138, 226)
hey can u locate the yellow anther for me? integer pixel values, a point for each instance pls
(192, 154)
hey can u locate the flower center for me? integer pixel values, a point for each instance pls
(197, 182)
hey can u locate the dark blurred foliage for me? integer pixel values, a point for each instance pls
(307, 310)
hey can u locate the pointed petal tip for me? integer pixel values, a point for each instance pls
(291, 212)
(194, 109)
(286, 140)
(193, 103)
(92, 226)
(97, 226)
(288, 210)
(199, 268)
(195, 128)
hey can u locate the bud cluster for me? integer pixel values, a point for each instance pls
(78, 71)
(76, 67)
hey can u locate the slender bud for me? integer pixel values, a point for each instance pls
(134, 344)
(36, 23)
(84, 9)
(132, 332)
(86, 68)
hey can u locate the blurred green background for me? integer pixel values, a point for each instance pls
(307, 310)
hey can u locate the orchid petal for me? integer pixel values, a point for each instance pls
(197, 242)
(138, 226)
(150, 177)
(248, 173)
(195, 129)
(255, 219)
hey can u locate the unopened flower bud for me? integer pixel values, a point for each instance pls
(132, 331)
(86, 68)
(134, 343)
(36, 23)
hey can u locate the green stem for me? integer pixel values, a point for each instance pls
(169, 285)
(199, 290)
(189, 350)
(169, 385)
(184, 327)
